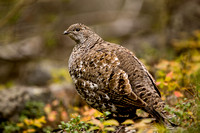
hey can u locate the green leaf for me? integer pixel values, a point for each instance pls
(106, 113)
(60, 126)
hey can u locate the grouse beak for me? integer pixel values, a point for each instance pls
(66, 32)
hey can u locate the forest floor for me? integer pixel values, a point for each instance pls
(178, 80)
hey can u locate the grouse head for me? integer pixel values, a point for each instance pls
(79, 32)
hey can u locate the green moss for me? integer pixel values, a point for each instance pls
(33, 109)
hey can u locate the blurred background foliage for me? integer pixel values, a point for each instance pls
(36, 90)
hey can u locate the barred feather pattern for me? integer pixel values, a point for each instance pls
(109, 77)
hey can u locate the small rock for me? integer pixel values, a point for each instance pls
(22, 50)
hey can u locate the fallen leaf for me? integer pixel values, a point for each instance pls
(55, 102)
(95, 122)
(111, 122)
(158, 83)
(148, 120)
(93, 128)
(128, 122)
(47, 109)
(109, 129)
(20, 124)
(170, 75)
(178, 94)
(52, 116)
(29, 131)
(89, 112)
(64, 116)
(28, 121)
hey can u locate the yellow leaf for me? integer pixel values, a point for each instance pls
(151, 131)
(86, 118)
(47, 109)
(148, 120)
(130, 128)
(97, 113)
(20, 124)
(163, 97)
(75, 108)
(42, 119)
(111, 122)
(37, 124)
(95, 122)
(74, 115)
(190, 113)
(93, 128)
(128, 122)
(109, 129)
(140, 125)
(52, 116)
(89, 112)
(30, 130)
(143, 124)
(28, 121)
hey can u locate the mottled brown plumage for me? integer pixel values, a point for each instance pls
(109, 77)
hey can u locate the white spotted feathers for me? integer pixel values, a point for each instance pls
(110, 78)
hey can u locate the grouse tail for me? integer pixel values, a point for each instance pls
(162, 118)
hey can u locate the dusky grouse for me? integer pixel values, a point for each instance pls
(109, 77)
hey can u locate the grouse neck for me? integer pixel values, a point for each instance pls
(90, 41)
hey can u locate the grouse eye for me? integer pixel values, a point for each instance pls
(77, 29)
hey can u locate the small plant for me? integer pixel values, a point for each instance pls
(182, 111)
(33, 109)
(32, 125)
(103, 127)
(9, 127)
(75, 125)
(31, 119)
